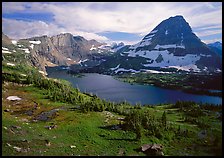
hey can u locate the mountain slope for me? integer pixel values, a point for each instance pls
(216, 47)
(63, 49)
(170, 45)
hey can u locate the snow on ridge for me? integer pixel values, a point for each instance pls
(154, 31)
(145, 42)
(149, 36)
(69, 59)
(3, 48)
(115, 67)
(14, 42)
(35, 42)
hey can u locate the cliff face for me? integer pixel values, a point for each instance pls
(63, 49)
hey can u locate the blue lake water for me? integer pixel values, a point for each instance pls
(106, 87)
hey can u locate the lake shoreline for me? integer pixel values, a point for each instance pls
(119, 91)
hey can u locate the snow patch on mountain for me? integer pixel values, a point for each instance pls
(149, 36)
(35, 42)
(82, 61)
(14, 42)
(145, 42)
(187, 67)
(115, 67)
(6, 52)
(157, 72)
(169, 46)
(3, 48)
(93, 48)
(166, 33)
(154, 31)
(26, 50)
(203, 55)
(126, 70)
(31, 46)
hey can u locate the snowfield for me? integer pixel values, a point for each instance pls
(184, 62)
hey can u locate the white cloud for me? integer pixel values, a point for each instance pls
(18, 29)
(208, 33)
(89, 18)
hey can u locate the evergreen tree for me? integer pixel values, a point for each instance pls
(164, 119)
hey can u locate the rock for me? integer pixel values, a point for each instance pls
(202, 134)
(152, 149)
(121, 152)
(6, 110)
(120, 118)
(18, 149)
(24, 140)
(13, 98)
(50, 127)
(15, 127)
(8, 144)
(48, 143)
(116, 127)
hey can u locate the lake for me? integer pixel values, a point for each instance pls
(106, 87)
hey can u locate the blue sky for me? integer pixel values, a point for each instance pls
(108, 22)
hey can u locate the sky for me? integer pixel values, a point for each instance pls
(108, 22)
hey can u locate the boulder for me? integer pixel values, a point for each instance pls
(50, 127)
(13, 98)
(152, 149)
